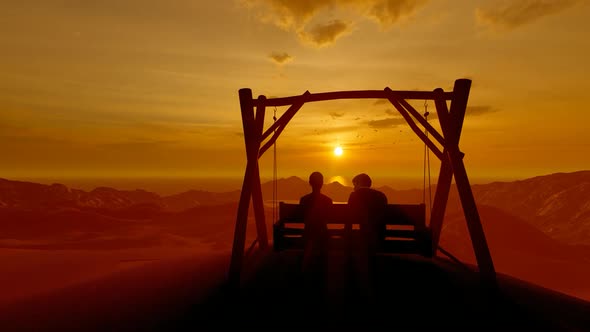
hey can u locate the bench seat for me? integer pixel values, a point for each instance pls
(405, 233)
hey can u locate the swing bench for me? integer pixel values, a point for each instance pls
(405, 233)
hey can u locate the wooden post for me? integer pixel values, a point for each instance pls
(249, 125)
(476, 233)
(478, 238)
(257, 200)
(441, 198)
(445, 176)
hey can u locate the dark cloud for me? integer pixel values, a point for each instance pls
(140, 145)
(512, 14)
(395, 121)
(386, 123)
(280, 57)
(335, 115)
(296, 15)
(325, 34)
(334, 130)
(389, 12)
(381, 102)
(479, 110)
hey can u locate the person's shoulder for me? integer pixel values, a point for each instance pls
(305, 198)
(376, 194)
(381, 195)
(327, 199)
(353, 195)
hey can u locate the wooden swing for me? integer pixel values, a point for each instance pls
(258, 141)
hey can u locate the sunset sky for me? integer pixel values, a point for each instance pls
(136, 88)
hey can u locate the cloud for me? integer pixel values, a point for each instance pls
(325, 34)
(395, 121)
(296, 16)
(280, 58)
(335, 115)
(512, 14)
(386, 123)
(479, 110)
(333, 130)
(381, 102)
(389, 12)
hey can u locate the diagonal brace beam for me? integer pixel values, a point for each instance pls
(281, 123)
(413, 125)
(423, 121)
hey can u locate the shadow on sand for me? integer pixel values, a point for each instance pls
(411, 294)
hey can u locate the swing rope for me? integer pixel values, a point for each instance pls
(426, 165)
(275, 211)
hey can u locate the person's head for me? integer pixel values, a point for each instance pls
(316, 181)
(361, 181)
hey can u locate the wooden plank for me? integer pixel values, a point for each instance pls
(396, 214)
(289, 212)
(362, 94)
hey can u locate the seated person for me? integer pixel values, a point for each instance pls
(368, 207)
(315, 234)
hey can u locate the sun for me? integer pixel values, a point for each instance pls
(338, 151)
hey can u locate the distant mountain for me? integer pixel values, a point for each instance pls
(521, 250)
(27, 195)
(18, 194)
(557, 204)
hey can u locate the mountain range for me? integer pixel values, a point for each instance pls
(557, 204)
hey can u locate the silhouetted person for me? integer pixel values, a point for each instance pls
(315, 206)
(367, 208)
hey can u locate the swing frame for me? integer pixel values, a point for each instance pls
(451, 157)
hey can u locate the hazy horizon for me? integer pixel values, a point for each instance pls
(175, 185)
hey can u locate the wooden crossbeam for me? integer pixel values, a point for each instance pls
(364, 94)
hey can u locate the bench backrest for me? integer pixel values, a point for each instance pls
(396, 214)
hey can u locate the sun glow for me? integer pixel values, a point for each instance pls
(338, 151)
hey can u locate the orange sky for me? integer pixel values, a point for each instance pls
(149, 88)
